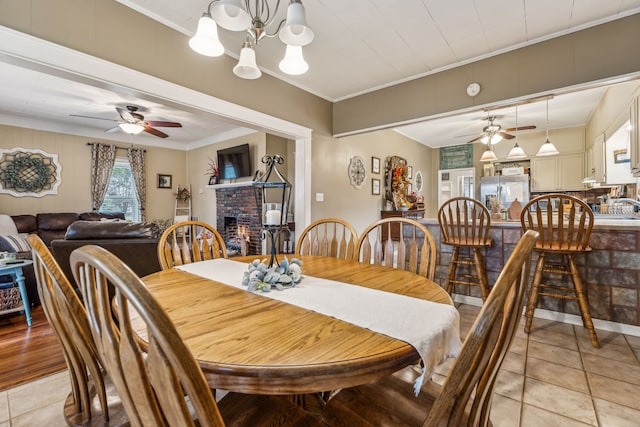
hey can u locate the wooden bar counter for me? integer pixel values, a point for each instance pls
(611, 271)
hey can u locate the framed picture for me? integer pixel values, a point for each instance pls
(375, 165)
(213, 180)
(409, 172)
(164, 181)
(621, 156)
(375, 187)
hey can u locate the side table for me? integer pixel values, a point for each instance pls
(15, 271)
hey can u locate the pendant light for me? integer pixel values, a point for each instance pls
(516, 152)
(488, 155)
(547, 149)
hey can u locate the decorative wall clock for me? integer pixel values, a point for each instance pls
(29, 173)
(418, 181)
(357, 172)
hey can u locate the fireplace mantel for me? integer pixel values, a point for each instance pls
(230, 185)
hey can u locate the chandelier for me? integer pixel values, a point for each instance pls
(255, 17)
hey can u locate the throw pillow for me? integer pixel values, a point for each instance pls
(7, 226)
(14, 243)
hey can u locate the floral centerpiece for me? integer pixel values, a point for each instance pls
(400, 185)
(261, 278)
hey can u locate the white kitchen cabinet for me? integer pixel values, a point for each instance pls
(634, 135)
(557, 173)
(596, 168)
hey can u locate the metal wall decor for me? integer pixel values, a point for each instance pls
(29, 173)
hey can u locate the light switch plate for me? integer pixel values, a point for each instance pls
(319, 197)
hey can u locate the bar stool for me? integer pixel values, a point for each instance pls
(564, 223)
(464, 223)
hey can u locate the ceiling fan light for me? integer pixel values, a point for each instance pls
(293, 62)
(206, 41)
(516, 153)
(131, 128)
(488, 156)
(231, 15)
(547, 149)
(247, 67)
(296, 32)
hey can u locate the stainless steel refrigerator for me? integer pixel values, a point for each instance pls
(504, 188)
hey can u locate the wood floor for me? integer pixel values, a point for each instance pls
(27, 353)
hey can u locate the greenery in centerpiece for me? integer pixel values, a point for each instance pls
(259, 277)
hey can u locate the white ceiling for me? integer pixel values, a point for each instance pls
(359, 46)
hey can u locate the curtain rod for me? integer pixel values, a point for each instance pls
(117, 148)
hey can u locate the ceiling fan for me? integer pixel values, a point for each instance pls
(493, 132)
(133, 122)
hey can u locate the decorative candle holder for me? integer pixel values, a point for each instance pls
(273, 194)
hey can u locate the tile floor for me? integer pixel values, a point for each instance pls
(552, 377)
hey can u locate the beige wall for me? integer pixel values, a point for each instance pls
(111, 31)
(331, 160)
(74, 156)
(612, 111)
(591, 55)
(203, 200)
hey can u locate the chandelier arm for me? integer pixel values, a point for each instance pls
(275, 33)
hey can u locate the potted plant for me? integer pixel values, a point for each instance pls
(212, 171)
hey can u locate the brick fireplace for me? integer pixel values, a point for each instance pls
(236, 209)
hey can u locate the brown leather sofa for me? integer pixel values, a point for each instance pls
(134, 243)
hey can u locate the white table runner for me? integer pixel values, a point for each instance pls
(432, 328)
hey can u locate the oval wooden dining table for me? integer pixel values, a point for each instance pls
(248, 343)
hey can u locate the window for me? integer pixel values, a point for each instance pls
(121, 195)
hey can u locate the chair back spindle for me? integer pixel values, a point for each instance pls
(390, 237)
(331, 237)
(190, 241)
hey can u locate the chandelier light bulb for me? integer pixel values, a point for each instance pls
(247, 67)
(230, 15)
(295, 31)
(206, 41)
(293, 62)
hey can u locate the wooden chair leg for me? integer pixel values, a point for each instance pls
(533, 293)
(453, 265)
(582, 301)
(481, 272)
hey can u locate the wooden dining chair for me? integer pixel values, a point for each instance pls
(93, 400)
(160, 382)
(328, 237)
(464, 224)
(564, 223)
(465, 397)
(189, 241)
(400, 243)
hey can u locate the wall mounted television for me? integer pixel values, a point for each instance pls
(234, 162)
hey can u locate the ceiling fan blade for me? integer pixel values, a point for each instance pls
(155, 132)
(163, 124)
(113, 129)
(520, 128)
(91, 117)
(475, 139)
(126, 115)
(506, 135)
